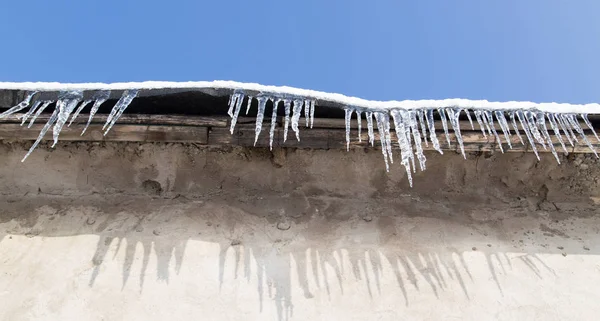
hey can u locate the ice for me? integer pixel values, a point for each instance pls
(287, 104)
(541, 123)
(20, 106)
(469, 118)
(527, 131)
(39, 112)
(119, 108)
(369, 116)
(400, 117)
(250, 98)
(504, 126)
(43, 132)
(359, 120)
(67, 102)
(515, 127)
(297, 112)
(423, 128)
(383, 122)
(589, 125)
(99, 98)
(567, 130)
(572, 119)
(414, 128)
(33, 108)
(556, 131)
(347, 119)
(444, 125)
(489, 122)
(307, 105)
(239, 100)
(478, 117)
(312, 113)
(273, 123)
(78, 111)
(432, 135)
(531, 121)
(453, 116)
(262, 103)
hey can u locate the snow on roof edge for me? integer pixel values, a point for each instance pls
(592, 108)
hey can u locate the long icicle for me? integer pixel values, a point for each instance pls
(489, 121)
(423, 128)
(262, 103)
(515, 127)
(66, 104)
(297, 112)
(478, 117)
(414, 128)
(273, 123)
(525, 126)
(504, 126)
(312, 113)
(589, 125)
(359, 120)
(453, 116)
(572, 119)
(432, 135)
(236, 113)
(347, 118)
(307, 112)
(287, 104)
(369, 116)
(99, 99)
(405, 148)
(39, 112)
(120, 106)
(444, 125)
(43, 132)
(382, 137)
(556, 132)
(530, 117)
(78, 110)
(541, 124)
(568, 134)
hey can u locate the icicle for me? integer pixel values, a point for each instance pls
(556, 131)
(233, 101)
(262, 102)
(453, 116)
(369, 116)
(530, 117)
(287, 104)
(249, 104)
(39, 112)
(43, 132)
(388, 137)
(589, 125)
(120, 107)
(359, 119)
(312, 113)
(381, 127)
(469, 118)
(489, 122)
(20, 106)
(33, 108)
(348, 115)
(236, 112)
(423, 128)
(432, 136)
(563, 117)
(99, 99)
(504, 126)
(273, 123)
(525, 126)
(480, 122)
(515, 127)
(567, 131)
(414, 127)
(444, 125)
(572, 119)
(541, 123)
(297, 112)
(408, 135)
(307, 112)
(67, 102)
(79, 109)
(400, 116)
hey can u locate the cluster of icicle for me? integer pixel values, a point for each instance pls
(413, 126)
(69, 104)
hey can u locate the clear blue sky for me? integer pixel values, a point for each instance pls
(540, 50)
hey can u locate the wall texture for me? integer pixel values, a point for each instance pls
(122, 231)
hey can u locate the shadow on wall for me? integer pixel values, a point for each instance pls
(326, 249)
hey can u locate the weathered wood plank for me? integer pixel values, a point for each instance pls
(119, 132)
(144, 119)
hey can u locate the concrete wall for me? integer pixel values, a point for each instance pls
(163, 231)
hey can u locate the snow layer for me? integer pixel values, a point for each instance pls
(592, 108)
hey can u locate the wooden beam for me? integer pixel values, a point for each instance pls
(135, 119)
(119, 132)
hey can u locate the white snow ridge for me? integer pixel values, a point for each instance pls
(414, 122)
